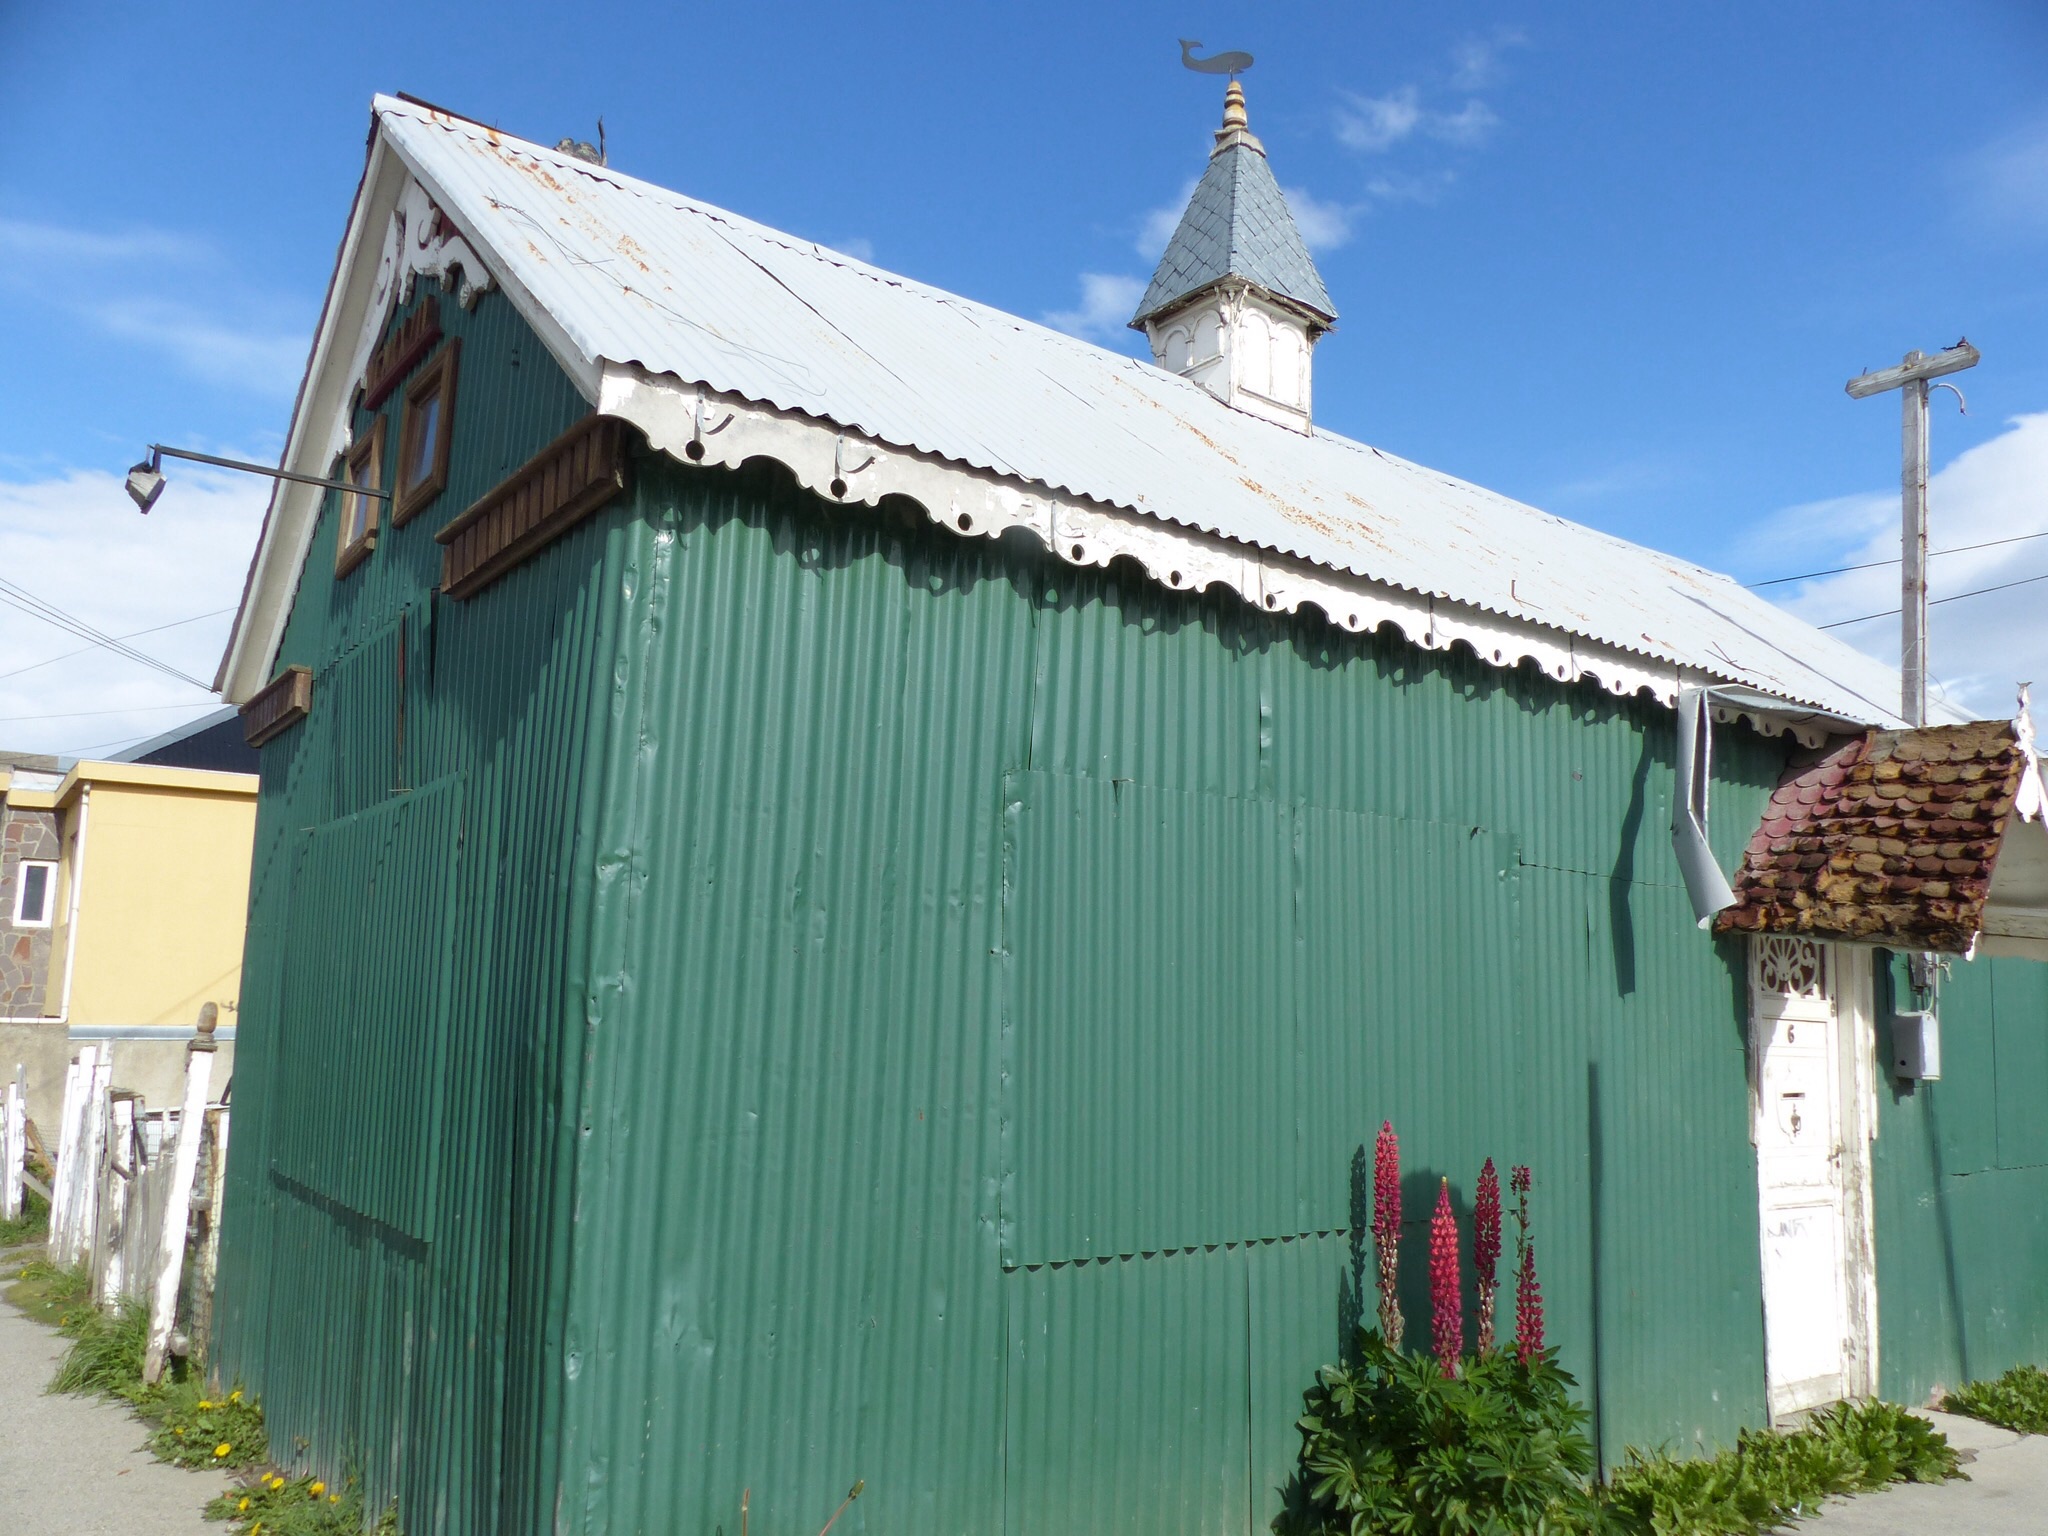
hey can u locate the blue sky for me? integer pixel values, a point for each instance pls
(1612, 259)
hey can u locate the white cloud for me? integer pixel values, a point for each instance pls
(1107, 303)
(2005, 184)
(58, 243)
(1980, 647)
(1371, 124)
(145, 267)
(1376, 125)
(1470, 124)
(265, 362)
(1476, 62)
(859, 247)
(76, 541)
(1160, 223)
(1324, 226)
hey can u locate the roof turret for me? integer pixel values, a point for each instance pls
(1237, 225)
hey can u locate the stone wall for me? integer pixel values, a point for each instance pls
(24, 952)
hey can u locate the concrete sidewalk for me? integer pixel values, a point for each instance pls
(2007, 1494)
(74, 1466)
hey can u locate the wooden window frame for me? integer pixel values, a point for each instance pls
(435, 380)
(369, 449)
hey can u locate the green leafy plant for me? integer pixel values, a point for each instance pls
(268, 1503)
(1771, 1477)
(1394, 1444)
(199, 1428)
(31, 1226)
(2018, 1400)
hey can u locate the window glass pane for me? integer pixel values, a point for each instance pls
(35, 892)
(425, 435)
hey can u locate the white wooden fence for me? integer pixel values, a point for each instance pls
(133, 1186)
(13, 1143)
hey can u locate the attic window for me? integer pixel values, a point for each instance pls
(358, 511)
(424, 433)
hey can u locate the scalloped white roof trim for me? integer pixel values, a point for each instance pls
(700, 426)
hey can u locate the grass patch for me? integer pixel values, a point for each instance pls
(1771, 1477)
(50, 1295)
(31, 1226)
(190, 1426)
(2017, 1400)
(271, 1504)
(105, 1358)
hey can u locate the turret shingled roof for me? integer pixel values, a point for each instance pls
(1237, 225)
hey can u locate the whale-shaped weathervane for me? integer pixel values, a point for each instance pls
(1232, 64)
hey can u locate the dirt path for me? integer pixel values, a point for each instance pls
(74, 1466)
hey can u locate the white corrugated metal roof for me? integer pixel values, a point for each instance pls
(633, 273)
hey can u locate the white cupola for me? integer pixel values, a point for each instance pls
(1236, 303)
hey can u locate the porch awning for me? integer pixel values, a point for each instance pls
(1928, 839)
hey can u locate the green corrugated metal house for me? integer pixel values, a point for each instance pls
(841, 879)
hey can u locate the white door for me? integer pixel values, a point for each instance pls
(1809, 1155)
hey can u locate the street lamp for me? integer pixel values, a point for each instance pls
(145, 483)
(146, 480)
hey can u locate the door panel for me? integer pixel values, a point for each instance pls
(1799, 1129)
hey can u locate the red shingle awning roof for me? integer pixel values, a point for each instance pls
(1891, 839)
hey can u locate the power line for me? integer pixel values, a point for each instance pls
(86, 714)
(41, 608)
(50, 661)
(1873, 565)
(2024, 581)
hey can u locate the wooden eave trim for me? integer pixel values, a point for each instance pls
(414, 339)
(579, 472)
(283, 702)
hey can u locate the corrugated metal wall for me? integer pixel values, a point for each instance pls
(956, 989)
(391, 1200)
(1960, 1171)
(998, 969)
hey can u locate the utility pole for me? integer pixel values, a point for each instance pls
(1911, 379)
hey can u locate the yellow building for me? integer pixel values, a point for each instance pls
(126, 925)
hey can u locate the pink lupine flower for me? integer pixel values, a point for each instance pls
(1486, 1248)
(1446, 1299)
(1386, 1230)
(1528, 1308)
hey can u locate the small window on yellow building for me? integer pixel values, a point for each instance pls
(423, 435)
(359, 511)
(35, 892)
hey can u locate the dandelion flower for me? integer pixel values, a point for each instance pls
(221, 1450)
(334, 1498)
(243, 1507)
(204, 1405)
(317, 1489)
(235, 1396)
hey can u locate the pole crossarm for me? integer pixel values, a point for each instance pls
(1910, 378)
(1917, 367)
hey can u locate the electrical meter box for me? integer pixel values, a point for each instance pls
(1916, 1046)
